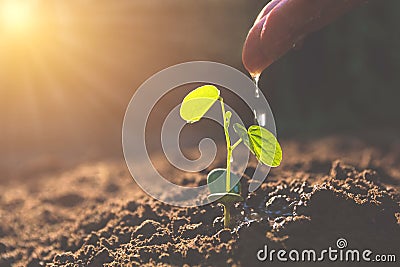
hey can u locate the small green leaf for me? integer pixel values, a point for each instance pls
(262, 143)
(228, 116)
(198, 102)
(265, 146)
(242, 132)
(216, 181)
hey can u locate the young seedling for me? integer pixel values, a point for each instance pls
(225, 186)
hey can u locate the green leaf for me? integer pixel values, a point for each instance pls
(262, 143)
(242, 132)
(198, 102)
(216, 181)
(264, 146)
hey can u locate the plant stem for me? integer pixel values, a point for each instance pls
(228, 148)
(227, 215)
(237, 143)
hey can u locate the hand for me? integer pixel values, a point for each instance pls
(283, 23)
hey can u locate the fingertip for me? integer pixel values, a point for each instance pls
(265, 11)
(253, 57)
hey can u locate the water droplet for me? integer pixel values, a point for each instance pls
(260, 117)
(256, 79)
(231, 158)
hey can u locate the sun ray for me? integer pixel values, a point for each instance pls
(17, 16)
(62, 73)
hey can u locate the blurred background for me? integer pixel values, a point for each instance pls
(69, 68)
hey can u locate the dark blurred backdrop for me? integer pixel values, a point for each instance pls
(65, 83)
(344, 78)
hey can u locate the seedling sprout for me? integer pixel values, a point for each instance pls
(261, 142)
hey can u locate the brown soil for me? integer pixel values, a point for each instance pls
(94, 215)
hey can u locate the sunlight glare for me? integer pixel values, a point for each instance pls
(16, 15)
